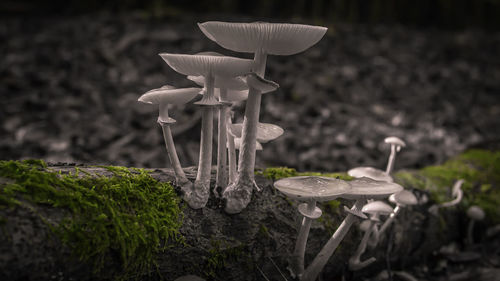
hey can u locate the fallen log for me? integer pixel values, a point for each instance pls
(42, 236)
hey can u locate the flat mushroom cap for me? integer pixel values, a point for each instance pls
(237, 144)
(169, 95)
(202, 65)
(265, 131)
(272, 38)
(476, 213)
(303, 210)
(264, 86)
(315, 188)
(405, 198)
(230, 83)
(377, 207)
(395, 140)
(370, 189)
(370, 172)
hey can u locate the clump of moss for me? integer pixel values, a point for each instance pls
(220, 255)
(129, 215)
(480, 170)
(276, 173)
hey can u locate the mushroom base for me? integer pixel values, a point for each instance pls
(197, 196)
(238, 195)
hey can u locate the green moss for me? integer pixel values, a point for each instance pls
(129, 215)
(220, 255)
(276, 173)
(480, 170)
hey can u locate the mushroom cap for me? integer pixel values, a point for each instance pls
(405, 198)
(395, 140)
(202, 65)
(265, 131)
(372, 189)
(237, 144)
(377, 208)
(303, 210)
(233, 95)
(263, 85)
(370, 172)
(272, 38)
(230, 83)
(312, 188)
(189, 278)
(355, 212)
(170, 95)
(475, 213)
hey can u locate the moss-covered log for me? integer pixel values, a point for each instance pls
(101, 223)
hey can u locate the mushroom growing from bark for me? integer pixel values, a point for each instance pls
(310, 189)
(361, 190)
(163, 97)
(262, 39)
(475, 213)
(377, 174)
(374, 209)
(209, 67)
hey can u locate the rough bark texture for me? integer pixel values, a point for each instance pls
(227, 247)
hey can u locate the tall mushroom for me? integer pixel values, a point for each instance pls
(310, 189)
(163, 97)
(262, 39)
(377, 174)
(209, 67)
(374, 209)
(361, 190)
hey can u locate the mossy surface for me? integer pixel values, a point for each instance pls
(129, 215)
(220, 255)
(276, 173)
(480, 170)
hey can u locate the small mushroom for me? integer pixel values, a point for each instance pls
(374, 209)
(457, 195)
(361, 190)
(310, 189)
(210, 67)
(261, 39)
(401, 199)
(396, 145)
(163, 97)
(475, 213)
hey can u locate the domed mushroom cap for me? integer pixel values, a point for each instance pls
(265, 132)
(273, 38)
(370, 172)
(237, 144)
(312, 188)
(230, 83)
(395, 140)
(475, 213)
(372, 189)
(202, 65)
(263, 85)
(170, 95)
(304, 210)
(377, 208)
(405, 198)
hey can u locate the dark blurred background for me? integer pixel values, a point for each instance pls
(426, 71)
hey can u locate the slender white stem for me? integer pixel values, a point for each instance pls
(180, 176)
(221, 178)
(389, 220)
(231, 155)
(355, 262)
(297, 259)
(319, 262)
(392, 158)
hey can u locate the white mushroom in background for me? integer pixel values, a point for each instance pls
(475, 213)
(209, 67)
(310, 189)
(457, 194)
(163, 97)
(377, 174)
(262, 39)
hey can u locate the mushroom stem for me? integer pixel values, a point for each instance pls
(392, 159)
(470, 232)
(239, 193)
(297, 259)
(199, 197)
(355, 262)
(231, 155)
(319, 262)
(180, 176)
(221, 178)
(389, 220)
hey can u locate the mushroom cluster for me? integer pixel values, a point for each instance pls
(226, 80)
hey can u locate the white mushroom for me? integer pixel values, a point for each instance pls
(262, 39)
(475, 213)
(401, 199)
(396, 145)
(163, 97)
